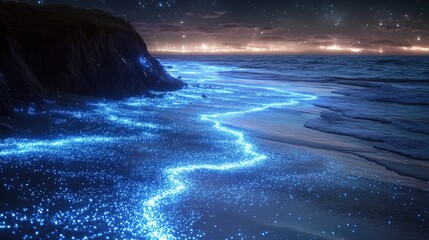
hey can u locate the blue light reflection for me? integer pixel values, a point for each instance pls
(156, 224)
(127, 182)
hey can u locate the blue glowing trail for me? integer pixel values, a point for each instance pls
(22, 146)
(156, 225)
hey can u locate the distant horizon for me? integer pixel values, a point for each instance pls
(166, 53)
(331, 47)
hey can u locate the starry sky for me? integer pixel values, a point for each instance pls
(283, 26)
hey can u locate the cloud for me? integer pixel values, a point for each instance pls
(384, 42)
(271, 38)
(322, 37)
(214, 15)
(145, 28)
(232, 44)
(228, 30)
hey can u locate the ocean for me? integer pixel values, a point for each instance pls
(255, 147)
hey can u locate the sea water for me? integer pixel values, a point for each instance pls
(256, 147)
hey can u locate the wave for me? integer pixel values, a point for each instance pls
(389, 93)
(403, 169)
(392, 141)
(395, 61)
(330, 122)
(404, 146)
(344, 69)
(358, 81)
(411, 118)
(413, 126)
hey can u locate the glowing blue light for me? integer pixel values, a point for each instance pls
(146, 64)
(132, 123)
(20, 146)
(155, 223)
(143, 213)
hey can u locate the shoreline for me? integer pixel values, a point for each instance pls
(161, 166)
(401, 168)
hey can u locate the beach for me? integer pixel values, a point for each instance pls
(265, 147)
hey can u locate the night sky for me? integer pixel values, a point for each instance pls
(356, 27)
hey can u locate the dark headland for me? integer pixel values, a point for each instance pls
(51, 49)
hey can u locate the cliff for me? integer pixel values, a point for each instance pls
(49, 49)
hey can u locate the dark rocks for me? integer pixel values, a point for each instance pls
(49, 49)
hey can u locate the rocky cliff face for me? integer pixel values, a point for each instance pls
(56, 48)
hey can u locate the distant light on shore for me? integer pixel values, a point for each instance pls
(286, 48)
(416, 49)
(340, 48)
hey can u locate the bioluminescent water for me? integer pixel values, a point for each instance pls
(253, 148)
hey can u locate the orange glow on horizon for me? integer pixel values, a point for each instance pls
(279, 48)
(340, 48)
(416, 49)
